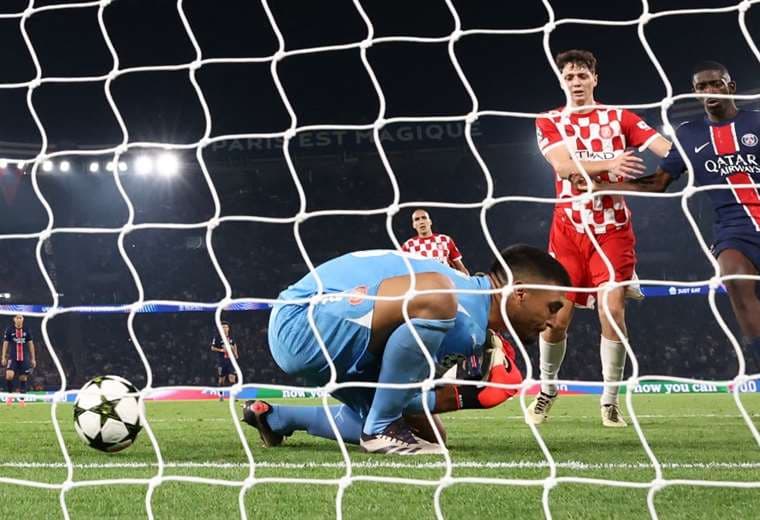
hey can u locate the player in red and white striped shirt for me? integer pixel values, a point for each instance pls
(598, 137)
(433, 245)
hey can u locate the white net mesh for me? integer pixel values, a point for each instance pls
(653, 486)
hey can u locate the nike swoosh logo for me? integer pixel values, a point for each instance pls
(698, 149)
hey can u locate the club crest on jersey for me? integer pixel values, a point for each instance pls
(605, 132)
(749, 140)
(358, 294)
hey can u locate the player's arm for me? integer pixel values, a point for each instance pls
(626, 164)
(235, 350)
(660, 146)
(214, 348)
(556, 153)
(655, 183)
(32, 354)
(642, 136)
(455, 257)
(497, 366)
(459, 266)
(5, 353)
(670, 169)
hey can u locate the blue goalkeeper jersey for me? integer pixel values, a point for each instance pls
(362, 272)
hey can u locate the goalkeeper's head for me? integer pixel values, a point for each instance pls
(530, 310)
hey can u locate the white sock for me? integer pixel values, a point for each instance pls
(551, 356)
(613, 362)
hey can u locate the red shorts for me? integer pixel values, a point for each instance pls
(584, 264)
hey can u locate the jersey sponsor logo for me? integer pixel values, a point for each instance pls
(587, 155)
(733, 163)
(358, 297)
(642, 125)
(605, 132)
(698, 149)
(749, 140)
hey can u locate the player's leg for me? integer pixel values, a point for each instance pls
(220, 377)
(402, 360)
(10, 374)
(231, 375)
(552, 343)
(619, 248)
(22, 379)
(275, 422)
(744, 298)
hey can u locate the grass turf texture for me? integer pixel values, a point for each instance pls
(694, 436)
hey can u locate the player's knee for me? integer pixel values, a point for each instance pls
(435, 306)
(616, 310)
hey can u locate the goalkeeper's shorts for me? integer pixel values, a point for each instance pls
(343, 324)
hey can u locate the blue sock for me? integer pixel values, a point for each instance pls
(415, 405)
(403, 362)
(22, 386)
(288, 419)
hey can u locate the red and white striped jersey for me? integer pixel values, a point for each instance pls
(602, 134)
(437, 246)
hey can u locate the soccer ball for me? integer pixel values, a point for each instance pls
(105, 416)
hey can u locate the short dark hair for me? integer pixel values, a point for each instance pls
(524, 260)
(226, 323)
(709, 65)
(578, 57)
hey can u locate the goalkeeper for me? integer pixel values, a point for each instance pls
(495, 365)
(360, 317)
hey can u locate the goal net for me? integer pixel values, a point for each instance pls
(335, 158)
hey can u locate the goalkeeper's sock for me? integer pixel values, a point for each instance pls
(552, 355)
(22, 386)
(285, 420)
(613, 362)
(403, 362)
(415, 404)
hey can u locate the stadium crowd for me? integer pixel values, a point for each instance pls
(670, 336)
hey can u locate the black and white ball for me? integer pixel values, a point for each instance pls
(107, 413)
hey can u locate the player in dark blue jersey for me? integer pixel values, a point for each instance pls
(369, 340)
(723, 150)
(224, 370)
(18, 357)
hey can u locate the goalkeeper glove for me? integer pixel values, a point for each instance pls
(497, 366)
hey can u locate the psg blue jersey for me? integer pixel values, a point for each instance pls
(18, 341)
(363, 271)
(726, 153)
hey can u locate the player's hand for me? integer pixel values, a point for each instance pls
(579, 183)
(4, 362)
(34, 363)
(627, 165)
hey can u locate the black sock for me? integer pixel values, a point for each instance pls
(22, 386)
(468, 397)
(753, 346)
(9, 385)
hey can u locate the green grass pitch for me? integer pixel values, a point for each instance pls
(694, 436)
